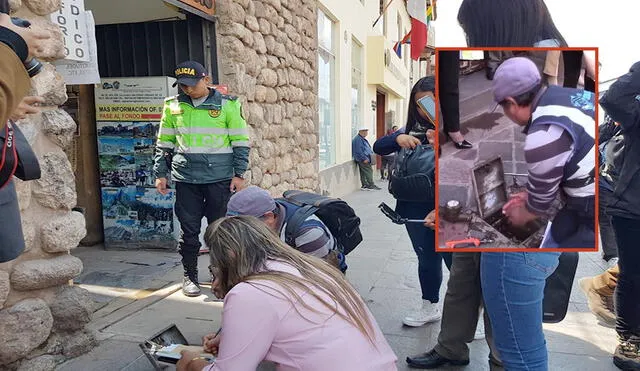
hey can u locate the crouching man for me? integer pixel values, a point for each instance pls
(312, 237)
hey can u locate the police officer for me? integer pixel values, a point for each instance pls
(203, 141)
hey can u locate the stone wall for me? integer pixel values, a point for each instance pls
(42, 318)
(267, 55)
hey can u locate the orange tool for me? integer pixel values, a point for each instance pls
(468, 241)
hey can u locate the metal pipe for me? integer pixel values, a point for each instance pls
(515, 174)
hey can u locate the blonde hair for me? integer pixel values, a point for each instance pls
(239, 249)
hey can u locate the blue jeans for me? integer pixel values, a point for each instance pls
(423, 240)
(513, 288)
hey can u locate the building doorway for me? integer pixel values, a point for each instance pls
(381, 125)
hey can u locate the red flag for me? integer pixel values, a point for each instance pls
(418, 38)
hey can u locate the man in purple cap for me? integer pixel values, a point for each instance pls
(560, 154)
(312, 237)
(203, 144)
(559, 151)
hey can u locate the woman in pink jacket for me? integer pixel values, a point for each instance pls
(283, 306)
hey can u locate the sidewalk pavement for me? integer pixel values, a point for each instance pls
(144, 299)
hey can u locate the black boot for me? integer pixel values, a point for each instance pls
(627, 356)
(190, 284)
(432, 359)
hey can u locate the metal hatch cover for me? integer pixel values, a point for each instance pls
(490, 187)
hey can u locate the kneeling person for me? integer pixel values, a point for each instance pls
(312, 237)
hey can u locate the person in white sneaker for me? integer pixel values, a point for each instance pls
(419, 130)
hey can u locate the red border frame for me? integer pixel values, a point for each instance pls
(437, 195)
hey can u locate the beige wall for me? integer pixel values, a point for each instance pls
(355, 19)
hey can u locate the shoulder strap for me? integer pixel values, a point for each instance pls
(295, 221)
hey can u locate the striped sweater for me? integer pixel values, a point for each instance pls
(560, 147)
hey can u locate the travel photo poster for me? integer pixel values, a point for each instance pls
(136, 215)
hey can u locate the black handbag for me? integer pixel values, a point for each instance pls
(16, 158)
(557, 290)
(413, 175)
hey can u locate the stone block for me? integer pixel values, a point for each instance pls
(43, 7)
(56, 189)
(260, 93)
(43, 273)
(4, 287)
(63, 233)
(518, 149)
(42, 363)
(488, 150)
(15, 5)
(251, 23)
(49, 85)
(28, 232)
(272, 96)
(59, 126)
(72, 308)
(265, 26)
(266, 181)
(268, 78)
(24, 327)
(54, 48)
(258, 43)
(270, 44)
(23, 191)
(243, 3)
(236, 13)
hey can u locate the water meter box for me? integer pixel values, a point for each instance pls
(491, 194)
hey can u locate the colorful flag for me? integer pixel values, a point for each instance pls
(397, 48)
(417, 10)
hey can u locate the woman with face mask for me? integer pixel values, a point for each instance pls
(420, 129)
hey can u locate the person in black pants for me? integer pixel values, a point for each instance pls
(448, 80)
(620, 103)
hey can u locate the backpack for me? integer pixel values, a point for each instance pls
(557, 289)
(334, 213)
(413, 174)
(611, 152)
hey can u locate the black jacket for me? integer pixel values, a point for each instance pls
(622, 103)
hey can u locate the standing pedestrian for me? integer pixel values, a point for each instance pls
(621, 103)
(203, 142)
(419, 130)
(363, 156)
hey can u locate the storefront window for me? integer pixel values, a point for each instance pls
(326, 88)
(356, 88)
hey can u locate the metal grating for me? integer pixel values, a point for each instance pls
(151, 48)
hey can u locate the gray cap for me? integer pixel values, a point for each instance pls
(515, 76)
(253, 201)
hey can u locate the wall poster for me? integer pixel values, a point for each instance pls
(128, 114)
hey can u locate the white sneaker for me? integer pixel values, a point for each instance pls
(429, 312)
(479, 335)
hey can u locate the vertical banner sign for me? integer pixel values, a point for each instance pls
(135, 215)
(82, 73)
(71, 20)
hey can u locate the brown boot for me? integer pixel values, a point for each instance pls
(600, 305)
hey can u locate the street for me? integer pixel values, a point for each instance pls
(139, 292)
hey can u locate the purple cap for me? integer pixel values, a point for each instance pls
(253, 201)
(515, 76)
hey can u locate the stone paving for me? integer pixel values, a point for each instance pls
(383, 269)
